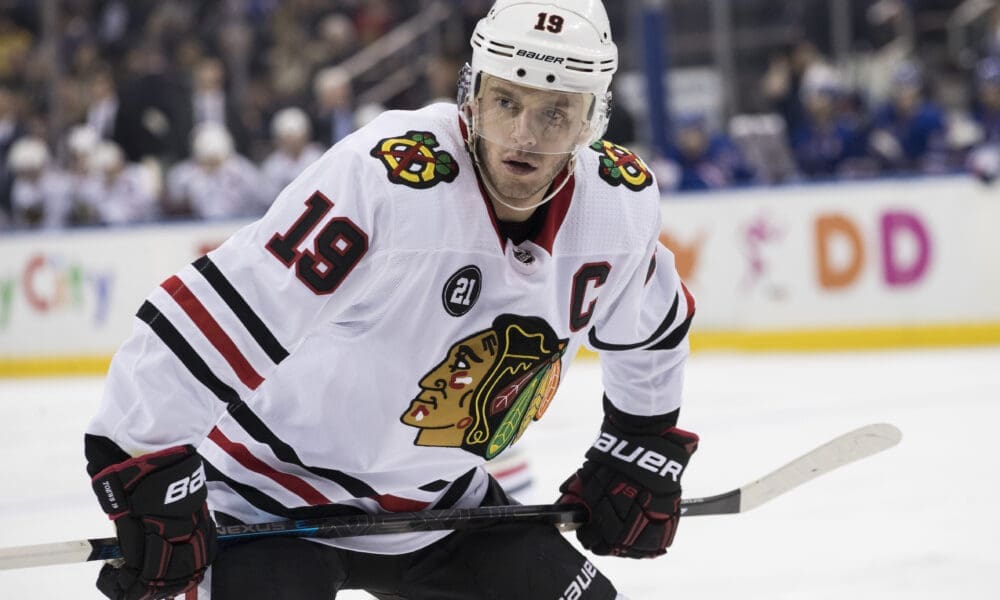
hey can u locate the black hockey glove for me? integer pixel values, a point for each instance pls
(631, 486)
(167, 537)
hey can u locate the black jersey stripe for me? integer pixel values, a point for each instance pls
(660, 330)
(651, 269)
(456, 491)
(435, 486)
(195, 365)
(247, 316)
(253, 425)
(241, 413)
(262, 501)
(675, 338)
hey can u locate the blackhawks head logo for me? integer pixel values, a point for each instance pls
(411, 160)
(489, 388)
(620, 166)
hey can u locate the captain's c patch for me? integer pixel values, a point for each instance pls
(411, 160)
(621, 166)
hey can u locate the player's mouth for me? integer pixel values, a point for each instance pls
(519, 167)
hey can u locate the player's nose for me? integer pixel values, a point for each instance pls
(521, 132)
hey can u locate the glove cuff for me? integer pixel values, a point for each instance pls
(652, 424)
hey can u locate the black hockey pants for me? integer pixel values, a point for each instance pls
(507, 562)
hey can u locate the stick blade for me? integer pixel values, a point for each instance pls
(845, 449)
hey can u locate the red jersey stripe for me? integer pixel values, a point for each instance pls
(210, 327)
(396, 504)
(294, 484)
(690, 301)
(510, 470)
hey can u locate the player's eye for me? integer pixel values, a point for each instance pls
(554, 116)
(507, 104)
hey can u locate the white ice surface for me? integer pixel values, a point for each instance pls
(919, 521)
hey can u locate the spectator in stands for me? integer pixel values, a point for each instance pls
(147, 122)
(11, 128)
(287, 70)
(828, 142)
(121, 192)
(986, 107)
(102, 103)
(992, 42)
(909, 130)
(41, 192)
(374, 19)
(336, 39)
(334, 112)
(440, 77)
(294, 150)
(80, 143)
(621, 125)
(15, 47)
(984, 159)
(216, 182)
(704, 160)
(209, 102)
(782, 82)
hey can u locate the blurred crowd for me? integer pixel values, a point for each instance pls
(122, 111)
(125, 111)
(822, 128)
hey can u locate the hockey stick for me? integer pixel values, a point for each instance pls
(838, 452)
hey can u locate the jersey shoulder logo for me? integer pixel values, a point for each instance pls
(489, 387)
(621, 166)
(411, 160)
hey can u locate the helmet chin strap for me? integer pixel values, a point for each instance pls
(484, 175)
(495, 195)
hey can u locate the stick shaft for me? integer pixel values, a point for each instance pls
(838, 452)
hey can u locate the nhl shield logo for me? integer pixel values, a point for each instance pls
(621, 166)
(412, 161)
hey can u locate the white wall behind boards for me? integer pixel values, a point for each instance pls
(822, 265)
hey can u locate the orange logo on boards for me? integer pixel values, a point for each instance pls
(686, 255)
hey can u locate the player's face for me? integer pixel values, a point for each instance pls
(447, 390)
(527, 136)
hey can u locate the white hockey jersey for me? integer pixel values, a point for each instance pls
(373, 339)
(232, 189)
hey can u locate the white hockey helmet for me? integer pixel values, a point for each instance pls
(28, 153)
(558, 45)
(291, 122)
(211, 142)
(82, 139)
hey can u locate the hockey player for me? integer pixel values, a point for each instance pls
(403, 312)
(293, 152)
(216, 182)
(41, 196)
(122, 192)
